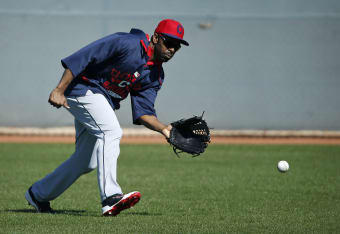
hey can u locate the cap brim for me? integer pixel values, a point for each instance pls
(177, 38)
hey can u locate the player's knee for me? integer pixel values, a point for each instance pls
(114, 133)
(88, 170)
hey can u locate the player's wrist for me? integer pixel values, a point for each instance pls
(62, 87)
(166, 132)
(59, 90)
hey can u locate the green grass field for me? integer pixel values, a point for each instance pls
(229, 189)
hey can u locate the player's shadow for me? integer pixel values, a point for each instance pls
(140, 213)
(56, 212)
(80, 212)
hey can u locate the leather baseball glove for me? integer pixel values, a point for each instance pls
(190, 135)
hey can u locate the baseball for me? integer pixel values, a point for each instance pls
(283, 166)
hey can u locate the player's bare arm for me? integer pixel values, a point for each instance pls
(57, 97)
(151, 122)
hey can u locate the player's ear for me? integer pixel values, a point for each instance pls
(155, 38)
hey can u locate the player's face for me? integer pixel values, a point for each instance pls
(165, 48)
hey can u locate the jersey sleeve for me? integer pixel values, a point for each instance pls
(94, 53)
(142, 103)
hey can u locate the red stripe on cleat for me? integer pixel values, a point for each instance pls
(128, 201)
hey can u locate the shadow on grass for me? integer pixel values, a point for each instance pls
(141, 214)
(56, 212)
(82, 213)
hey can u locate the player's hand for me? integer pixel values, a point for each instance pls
(166, 131)
(58, 99)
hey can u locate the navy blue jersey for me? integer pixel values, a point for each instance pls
(116, 66)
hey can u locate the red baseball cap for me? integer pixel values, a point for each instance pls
(173, 29)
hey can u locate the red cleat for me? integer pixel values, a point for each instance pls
(113, 205)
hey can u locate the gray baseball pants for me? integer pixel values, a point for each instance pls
(98, 135)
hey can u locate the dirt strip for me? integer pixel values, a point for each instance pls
(161, 140)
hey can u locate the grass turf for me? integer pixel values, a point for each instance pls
(229, 189)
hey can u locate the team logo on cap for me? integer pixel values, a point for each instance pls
(180, 29)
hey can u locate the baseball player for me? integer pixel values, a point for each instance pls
(96, 78)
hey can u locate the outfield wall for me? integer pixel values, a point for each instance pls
(134, 132)
(253, 64)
